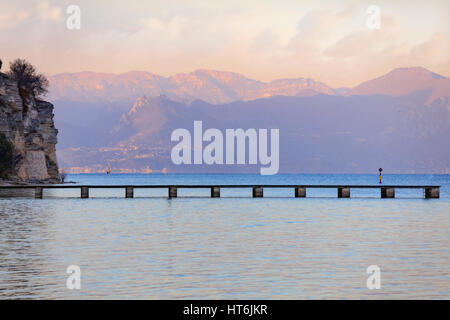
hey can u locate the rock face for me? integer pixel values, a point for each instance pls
(28, 124)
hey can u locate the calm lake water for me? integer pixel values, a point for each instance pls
(235, 247)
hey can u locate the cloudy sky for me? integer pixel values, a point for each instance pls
(321, 39)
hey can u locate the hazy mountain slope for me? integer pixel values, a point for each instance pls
(399, 121)
(403, 81)
(319, 133)
(146, 120)
(80, 98)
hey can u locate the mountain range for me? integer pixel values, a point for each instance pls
(400, 119)
(208, 85)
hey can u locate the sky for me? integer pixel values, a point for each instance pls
(329, 41)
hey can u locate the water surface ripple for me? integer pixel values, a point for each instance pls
(195, 247)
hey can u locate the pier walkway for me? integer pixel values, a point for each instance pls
(343, 191)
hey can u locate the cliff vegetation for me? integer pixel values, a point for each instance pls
(28, 135)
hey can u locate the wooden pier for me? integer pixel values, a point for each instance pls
(343, 191)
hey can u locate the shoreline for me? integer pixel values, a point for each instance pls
(9, 182)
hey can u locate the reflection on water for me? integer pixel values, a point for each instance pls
(231, 248)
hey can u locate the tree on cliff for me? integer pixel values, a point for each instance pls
(6, 156)
(29, 81)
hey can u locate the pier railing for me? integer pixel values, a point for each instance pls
(343, 191)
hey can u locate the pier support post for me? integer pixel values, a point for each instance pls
(215, 192)
(129, 192)
(172, 192)
(258, 192)
(38, 193)
(300, 192)
(343, 192)
(387, 192)
(432, 193)
(84, 192)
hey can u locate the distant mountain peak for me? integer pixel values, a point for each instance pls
(404, 81)
(217, 73)
(140, 102)
(415, 71)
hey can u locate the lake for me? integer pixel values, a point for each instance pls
(233, 247)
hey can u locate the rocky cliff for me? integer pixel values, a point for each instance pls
(27, 123)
